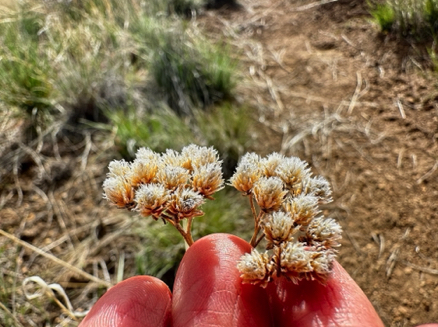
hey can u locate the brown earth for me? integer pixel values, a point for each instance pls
(359, 107)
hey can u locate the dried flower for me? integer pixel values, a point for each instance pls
(172, 158)
(295, 261)
(151, 200)
(207, 179)
(195, 156)
(293, 172)
(303, 208)
(322, 265)
(184, 203)
(278, 228)
(142, 171)
(173, 186)
(147, 154)
(172, 177)
(319, 187)
(271, 163)
(119, 191)
(118, 168)
(247, 173)
(269, 193)
(325, 231)
(255, 268)
(298, 245)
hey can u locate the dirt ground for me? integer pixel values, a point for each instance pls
(362, 110)
(360, 107)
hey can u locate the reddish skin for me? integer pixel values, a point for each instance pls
(138, 301)
(208, 292)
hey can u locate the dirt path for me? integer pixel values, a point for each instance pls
(359, 109)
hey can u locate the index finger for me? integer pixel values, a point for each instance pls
(309, 304)
(208, 290)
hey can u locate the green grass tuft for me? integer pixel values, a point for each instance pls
(384, 16)
(415, 18)
(191, 75)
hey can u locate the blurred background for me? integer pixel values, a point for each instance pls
(348, 86)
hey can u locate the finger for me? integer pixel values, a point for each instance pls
(340, 303)
(208, 289)
(141, 301)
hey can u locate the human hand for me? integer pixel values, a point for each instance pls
(208, 292)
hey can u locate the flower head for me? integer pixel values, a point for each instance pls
(278, 228)
(255, 268)
(195, 156)
(142, 171)
(293, 172)
(151, 200)
(322, 265)
(207, 179)
(248, 171)
(173, 176)
(184, 203)
(172, 158)
(147, 154)
(118, 168)
(119, 191)
(319, 187)
(304, 208)
(271, 162)
(295, 261)
(325, 231)
(269, 193)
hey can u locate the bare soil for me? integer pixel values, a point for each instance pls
(360, 107)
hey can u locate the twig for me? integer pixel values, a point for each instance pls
(356, 93)
(84, 157)
(313, 5)
(400, 109)
(346, 39)
(428, 174)
(420, 268)
(55, 259)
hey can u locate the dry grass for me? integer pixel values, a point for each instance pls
(51, 187)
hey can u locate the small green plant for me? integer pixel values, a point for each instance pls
(26, 75)
(283, 197)
(384, 16)
(227, 129)
(192, 76)
(157, 129)
(416, 18)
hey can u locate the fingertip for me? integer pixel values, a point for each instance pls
(338, 303)
(208, 290)
(142, 301)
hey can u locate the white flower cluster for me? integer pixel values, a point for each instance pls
(301, 243)
(170, 186)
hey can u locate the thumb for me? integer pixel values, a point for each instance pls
(141, 301)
